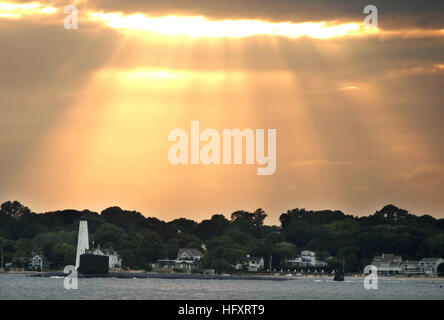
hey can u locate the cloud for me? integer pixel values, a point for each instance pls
(44, 69)
(393, 14)
(348, 88)
(329, 143)
(426, 174)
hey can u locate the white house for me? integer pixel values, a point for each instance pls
(410, 267)
(189, 254)
(388, 263)
(115, 261)
(38, 262)
(430, 265)
(306, 259)
(309, 259)
(254, 264)
(295, 261)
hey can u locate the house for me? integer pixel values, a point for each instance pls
(295, 261)
(254, 264)
(239, 265)
(410, 267)
(387, 263)
(38, 262)
(306, 259)
(189, 254)
(175, 265)
(115, 261)
(430, 265)
(309, 259)
(187, 259)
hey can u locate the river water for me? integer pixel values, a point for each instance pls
(16, 286)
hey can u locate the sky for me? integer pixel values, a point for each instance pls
(85, 113)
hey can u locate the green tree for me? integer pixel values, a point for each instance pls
(108, 234)
(151, 247)
(63, 254)
(282, 251)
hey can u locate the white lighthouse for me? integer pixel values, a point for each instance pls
(82, 241)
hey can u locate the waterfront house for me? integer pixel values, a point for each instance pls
(295, 261)
(309, 259)
(254, 264)
(115, 261)
(410, 267)
(238, 266)
(175, 265)
(189, 254)
(306, 259)
(187, 259)
(430, 265)
(387, 263)
(38, 262)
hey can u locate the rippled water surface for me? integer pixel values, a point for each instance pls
(13, 286)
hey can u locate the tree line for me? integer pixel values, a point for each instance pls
(140, 240)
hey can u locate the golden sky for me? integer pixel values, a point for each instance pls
(85, 114)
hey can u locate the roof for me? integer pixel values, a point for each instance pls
(387, 258)
(110, 251)
(254, 259)
(39, 255)
(410, 262)
(430, 259)
(107, 252)
(169, 261)
(190, 251)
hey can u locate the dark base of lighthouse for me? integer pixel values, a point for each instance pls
(93, 264)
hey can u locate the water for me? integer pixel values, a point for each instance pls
(14, 286)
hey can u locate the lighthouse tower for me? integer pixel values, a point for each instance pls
(82, 241)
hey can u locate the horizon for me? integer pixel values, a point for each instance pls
(226, 215)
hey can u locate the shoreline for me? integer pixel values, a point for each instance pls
(199, 276)
(146, 275)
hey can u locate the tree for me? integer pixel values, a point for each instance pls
(233, 255)
(213, 227)
(15, 209)
(151, 247)
(26, 246)
(322, 255)
(129, 221)
(436, 245)
(31, 230)
(247, 221)
(282, 251)
(63, 254)
(108, 234)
